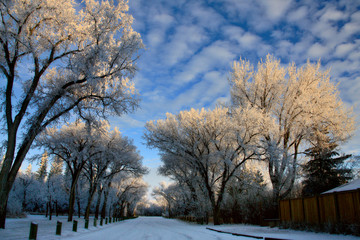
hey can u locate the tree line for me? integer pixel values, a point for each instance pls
(103, 174)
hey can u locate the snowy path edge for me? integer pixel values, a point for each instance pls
(245, 235)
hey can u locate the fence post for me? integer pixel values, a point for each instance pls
(95, 219)
(86, 223)
(58, 227)
(109, 219)
(75, 226)
(33, 231)
(101, 221)
(106, 220)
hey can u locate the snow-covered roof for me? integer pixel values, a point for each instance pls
(346, 187)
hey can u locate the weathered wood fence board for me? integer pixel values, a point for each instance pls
(338, 207)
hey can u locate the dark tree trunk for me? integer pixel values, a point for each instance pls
(56, 209)
(216, 215)
(3, 203)
(90, 199)
(79, 206)
(72, 200)
(47, 209)
(98, 202)
(103, 209)
(50, 211)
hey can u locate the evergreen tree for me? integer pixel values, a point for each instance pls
(56, 167)
(28, 170)
(325, 170)
(42, 171)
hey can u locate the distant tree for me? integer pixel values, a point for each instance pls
(59, 57)
(42, 171)
(56, 167)
(169, 194)
(55, 191)
(129, 192)
(116, 154)
(188, 182)
(326, 168)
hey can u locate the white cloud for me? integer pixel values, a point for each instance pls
(351, 28)
(212, 86)
(218, 54)
(332, 14)
(163, 19)
(246, 41)
(275, 9)
(183, 44)
(204, 16)
(343, 50)
(317, 51)
(298, 15)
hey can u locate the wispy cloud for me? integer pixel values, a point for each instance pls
(191, 44)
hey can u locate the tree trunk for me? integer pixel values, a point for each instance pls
(74, 180)
(216, 215)
(90, 199)
(56, 209)
(50, 211)
(121, 210)
(47, 209)
(103, 209)
(3, 203)
(79, 206)
(6, 180)
(98, 202)
(71, 201)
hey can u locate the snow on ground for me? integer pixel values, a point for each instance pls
(149, 228)
(280, 233)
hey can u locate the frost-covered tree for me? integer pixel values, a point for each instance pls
(56, 167)
(55, 191)
(42, 171)
(180, 171)
(294, 103)
(244, 197)
(212, 143)
(129, 191)
(75, 144)
(116, 154)
(58, 57)
(168, 193)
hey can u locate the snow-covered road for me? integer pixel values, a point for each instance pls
(149, 228)
(154, 228)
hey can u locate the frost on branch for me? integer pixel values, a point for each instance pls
(296, 105)
(59, 58)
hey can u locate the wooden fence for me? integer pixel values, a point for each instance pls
(337, 207)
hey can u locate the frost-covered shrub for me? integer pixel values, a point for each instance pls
(14, 206)
(246, 198)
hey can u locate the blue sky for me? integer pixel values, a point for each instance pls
(190, 46)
